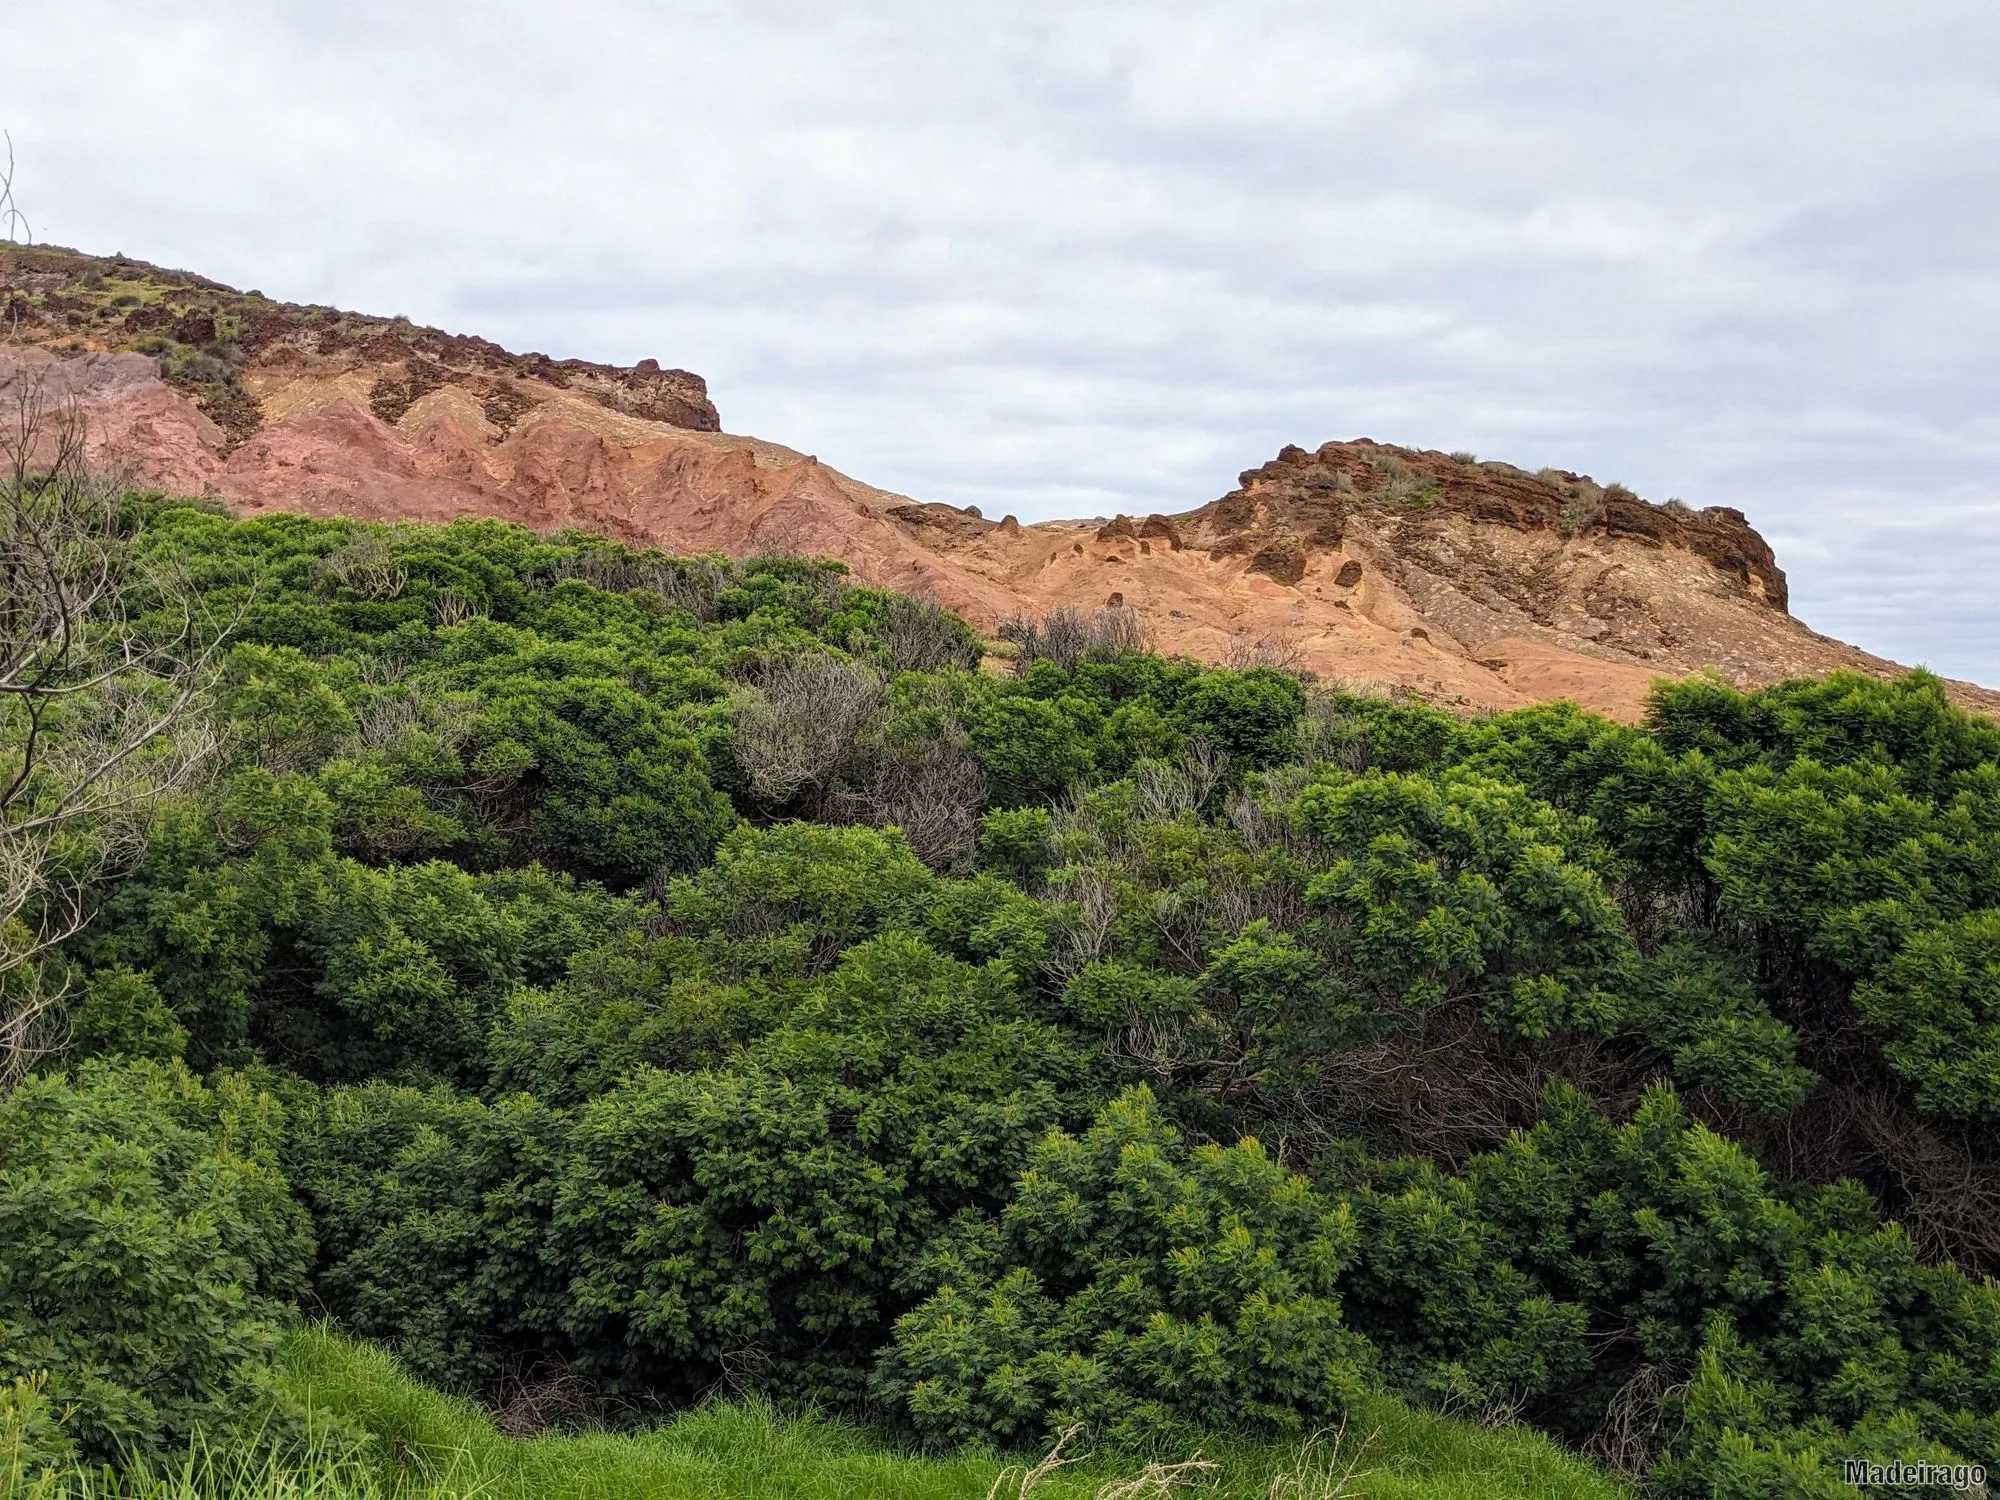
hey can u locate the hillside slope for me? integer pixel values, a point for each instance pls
(1472, 584)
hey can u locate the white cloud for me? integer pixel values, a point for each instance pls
(1091, 256)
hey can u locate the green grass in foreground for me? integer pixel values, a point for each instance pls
(437, 1447)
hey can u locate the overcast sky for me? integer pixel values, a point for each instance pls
(1061, 259)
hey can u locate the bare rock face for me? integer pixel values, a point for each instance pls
(1472, 585)
(1308, 495)
(137, 426)
(216, 345)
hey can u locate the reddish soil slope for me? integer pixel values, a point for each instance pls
(1473, 584)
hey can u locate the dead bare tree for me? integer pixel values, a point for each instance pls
(932, 789)
(1632, 1430)
(14, 230)
(103, 660)
(14, 226)
(369, 567)
(1282, 649)
(1086, 918)
(1160, 1479)
(922, 636)
(693, 584)
(1067, 636)
(803, 724)
(539, 1395)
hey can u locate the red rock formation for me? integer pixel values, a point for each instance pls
(1474, 585)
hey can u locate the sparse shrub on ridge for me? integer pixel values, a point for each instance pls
(1397, 485)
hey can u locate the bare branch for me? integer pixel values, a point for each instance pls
(104, 661)
(803, 724)
(1067, 636)
(1017, 1481)
(14, 227)
(1281, 649)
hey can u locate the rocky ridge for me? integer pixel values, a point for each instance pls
(1473, 584)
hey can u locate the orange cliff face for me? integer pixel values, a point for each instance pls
(1473, 585)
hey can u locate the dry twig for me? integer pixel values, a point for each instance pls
(1158, 1479)
(1025, 1479)
(1323, 1471)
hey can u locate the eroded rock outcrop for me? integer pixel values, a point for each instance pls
(218, 346)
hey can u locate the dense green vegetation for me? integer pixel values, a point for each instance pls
(644, 978)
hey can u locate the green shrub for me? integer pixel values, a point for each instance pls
(617, 792)
(786, 1104)
(1035, 750)
(148, 1248)
(121, 1013)
(768, 1218)
(1250, 716)
(1804, 1322)
(1141, 1289)
(832, 887)
(430, 1210)
(1443, 886)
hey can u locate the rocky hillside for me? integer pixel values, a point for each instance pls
(1474, 584)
